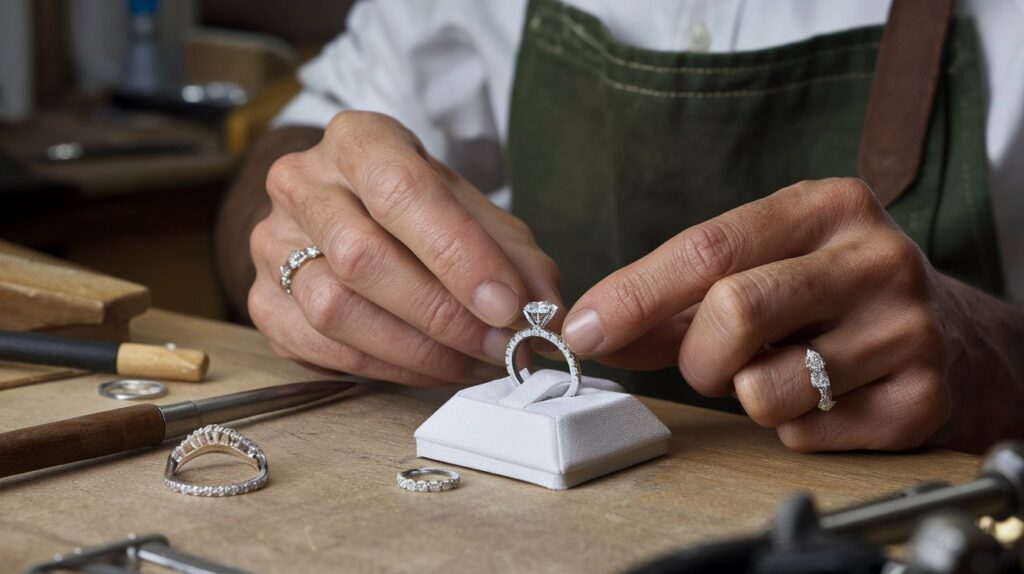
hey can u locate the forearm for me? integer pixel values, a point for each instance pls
(987, 366)
(246, 203)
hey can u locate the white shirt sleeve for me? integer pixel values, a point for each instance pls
(421, 63)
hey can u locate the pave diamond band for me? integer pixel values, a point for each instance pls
(819, 379)
(215, 438)
(414, 480)
(295, 260)
(538, 314)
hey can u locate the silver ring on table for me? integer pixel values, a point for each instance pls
(210, 439)
(132, 389)
(538, 314)
(295, 260)
(413, 480)
(819, 378)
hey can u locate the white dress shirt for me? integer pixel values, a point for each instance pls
(445, 69)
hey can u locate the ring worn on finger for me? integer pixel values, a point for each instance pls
(819, 379)
(295, 260)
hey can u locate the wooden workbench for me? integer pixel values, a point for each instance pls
(332, 504)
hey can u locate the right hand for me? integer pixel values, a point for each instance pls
(421, 274)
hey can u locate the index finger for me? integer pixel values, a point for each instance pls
(676, 275)
(413, 202)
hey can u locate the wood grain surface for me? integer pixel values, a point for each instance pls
(332, 504)
(40, 292)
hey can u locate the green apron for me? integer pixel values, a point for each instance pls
(615, 149)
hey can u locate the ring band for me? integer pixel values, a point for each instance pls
(295, 260)
(411, 480)
(132, 389)
(210, 439)
(538, 314)
(819, 379)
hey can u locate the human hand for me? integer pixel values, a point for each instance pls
(819, 262)
(420, 274)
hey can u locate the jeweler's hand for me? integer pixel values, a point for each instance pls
(819, 262)
(420, 275)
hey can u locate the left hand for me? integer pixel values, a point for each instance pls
(819, 263)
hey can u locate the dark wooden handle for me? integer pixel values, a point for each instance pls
(80, 438)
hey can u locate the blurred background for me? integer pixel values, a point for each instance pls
(122, 123)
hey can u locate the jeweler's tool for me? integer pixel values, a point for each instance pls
(128, 556)
(997, 492)
(129, 428)
(127, 359)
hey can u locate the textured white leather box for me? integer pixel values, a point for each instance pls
(531, 432)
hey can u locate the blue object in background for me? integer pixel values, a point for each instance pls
(143, 71)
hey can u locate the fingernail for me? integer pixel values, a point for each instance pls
(583, 331)
(497, 302)
(485, 372)
(495, 342)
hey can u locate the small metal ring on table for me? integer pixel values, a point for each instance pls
(132, 389)
(410, 480)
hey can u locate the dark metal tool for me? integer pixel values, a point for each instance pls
(129, 428)
(128, 557)
(998, 491)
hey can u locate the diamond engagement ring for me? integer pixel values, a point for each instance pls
(413, 480)
(295, 260)
(539, 313)
(819, 379)
(215, 438)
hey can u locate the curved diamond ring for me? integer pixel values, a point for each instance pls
(215, 438)
(539, 313)
(819, 378)
(295, 260)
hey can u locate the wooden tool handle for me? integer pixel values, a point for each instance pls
(152, 362)
(80, 438)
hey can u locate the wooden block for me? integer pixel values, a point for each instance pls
(39, 292)
(43, 293)
(19, 374)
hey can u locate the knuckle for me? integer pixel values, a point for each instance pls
(734, 307)
(352, 360)
(258, 306)
(260, 239)
(354, 253)
(921, 331)
(708, 250)
(797, 436)
(393, 188)
(902, 261)
(441, 314)
(926, 406)
(447, 251)
(285, 177)
(326, 304)
(759, 395)
(634, 297)
(432, 357)
(853, 194)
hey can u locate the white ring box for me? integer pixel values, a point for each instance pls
(531, 432)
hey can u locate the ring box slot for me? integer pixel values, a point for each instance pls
(532, 433)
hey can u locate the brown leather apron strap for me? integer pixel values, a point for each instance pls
(899, 108)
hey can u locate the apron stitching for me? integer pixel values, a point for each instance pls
(734, 93)
(703, 95)
(578, 29)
